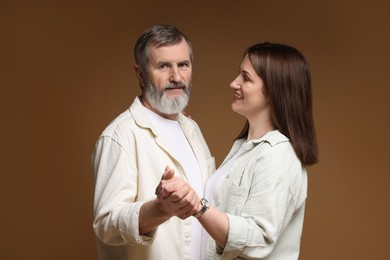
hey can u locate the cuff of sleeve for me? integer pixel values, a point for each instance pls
(237, 236)
(129, 228)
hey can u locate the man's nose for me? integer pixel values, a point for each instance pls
(175, 75)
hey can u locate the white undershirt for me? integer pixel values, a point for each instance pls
(183, 152)
(214, 184)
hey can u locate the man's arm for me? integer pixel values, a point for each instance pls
(151, 215)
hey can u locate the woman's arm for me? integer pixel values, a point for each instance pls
(216, 224)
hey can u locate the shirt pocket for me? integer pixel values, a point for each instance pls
(236, 198)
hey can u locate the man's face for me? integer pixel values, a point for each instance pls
(169, 75)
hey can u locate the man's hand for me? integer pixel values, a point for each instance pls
(176, 196)
(167, 175)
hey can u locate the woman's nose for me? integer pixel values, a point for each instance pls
(234, 84)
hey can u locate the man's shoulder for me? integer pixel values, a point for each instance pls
(123, 122)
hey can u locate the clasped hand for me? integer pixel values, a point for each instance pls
(177, 197)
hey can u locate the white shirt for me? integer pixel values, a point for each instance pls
(263, 195)
(182, 150)
(214, 185)
(129, 159)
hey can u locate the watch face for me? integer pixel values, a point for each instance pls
(205, 206)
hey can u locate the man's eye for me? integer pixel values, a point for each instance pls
(183, 65)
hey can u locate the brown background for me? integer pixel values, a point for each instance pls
(66, 70)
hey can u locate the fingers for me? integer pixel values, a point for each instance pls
(166, 187)
(178, 191)
(183, 209)
(189, 209)
(168, 173)
(176, 196)
(157, 192)
(182, 203)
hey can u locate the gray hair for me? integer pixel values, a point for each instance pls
(157, 36)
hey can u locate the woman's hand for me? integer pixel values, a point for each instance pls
(176, 196)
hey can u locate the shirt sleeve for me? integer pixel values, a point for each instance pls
(116, 211)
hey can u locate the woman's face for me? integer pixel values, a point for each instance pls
(249, 99)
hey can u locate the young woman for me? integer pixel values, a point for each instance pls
(254, 204)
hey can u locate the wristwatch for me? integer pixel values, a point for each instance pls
(205, 206)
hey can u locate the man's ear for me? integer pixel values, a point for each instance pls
(139, 75)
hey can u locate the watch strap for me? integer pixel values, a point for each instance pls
(205, 206)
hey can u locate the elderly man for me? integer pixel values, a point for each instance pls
(133, 151)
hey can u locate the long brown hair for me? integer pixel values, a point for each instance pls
(287, 82)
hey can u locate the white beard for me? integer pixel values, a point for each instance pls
(162, 103)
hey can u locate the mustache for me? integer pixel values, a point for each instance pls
(176, 85)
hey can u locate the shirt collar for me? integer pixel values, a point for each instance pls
(273, 137)
(142, 120)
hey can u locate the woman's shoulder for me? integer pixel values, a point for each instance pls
(273, 143)
(276, 151)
